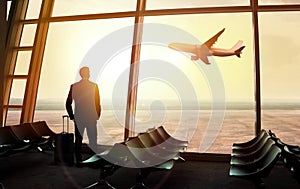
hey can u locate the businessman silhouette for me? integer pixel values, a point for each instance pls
(86, 97)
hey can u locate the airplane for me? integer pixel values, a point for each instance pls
(206, 49)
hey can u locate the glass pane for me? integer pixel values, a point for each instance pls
(79, 7)
(23, 62)
(278, 2)
(33, 10)
(280, 74)
(17, 92)
(28, 35)
(104, 46)
(13, 116)
(171, 4)
(210, 105)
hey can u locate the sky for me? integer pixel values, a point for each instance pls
(68, 43)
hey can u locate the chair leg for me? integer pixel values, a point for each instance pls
(140, 180)
(101, 182)
(139, 186)
(104, 172)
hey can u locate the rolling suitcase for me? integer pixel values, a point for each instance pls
(64, 145)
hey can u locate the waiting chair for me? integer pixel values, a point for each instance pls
(259, 169)
(167, 137)
(290, 156)
(253, 157)
(251, 149)
(24, 132)
(293, 148)
(9, 143)
(149, 162)
(165, 144)
(251, 142)
(133, 153)
(43, 131)
(157, 149)
(109, 161)
(291, 160)
(142, 153)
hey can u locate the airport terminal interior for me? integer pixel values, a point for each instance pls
(193, 94)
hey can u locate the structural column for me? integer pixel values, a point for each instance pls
(3, 29)
(254, 5)
(12, 39)
(36, 62)
(134, 70)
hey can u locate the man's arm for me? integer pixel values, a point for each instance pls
(97, 101)
(69, 104)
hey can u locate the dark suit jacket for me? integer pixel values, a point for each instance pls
(86, 96)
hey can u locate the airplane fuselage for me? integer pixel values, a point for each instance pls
(221, 52)
(204, 50)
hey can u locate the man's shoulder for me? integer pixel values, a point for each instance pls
(74, 84)
(84, 83)
(92, 83)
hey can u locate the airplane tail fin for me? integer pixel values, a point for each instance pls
(237, 45)
(239, 51)
(237, 48)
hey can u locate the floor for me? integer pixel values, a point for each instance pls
(33, 169)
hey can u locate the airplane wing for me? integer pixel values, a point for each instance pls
(183, 47)
(212, 40)
(205, 59)
(199, 53)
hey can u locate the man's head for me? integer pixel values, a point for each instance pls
(84, 72)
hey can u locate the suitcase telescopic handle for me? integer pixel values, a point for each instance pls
(65, 116)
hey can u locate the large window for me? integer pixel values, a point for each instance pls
(280, 74)
(16, 98)
(33, 10)
(78, 7)
(211, 105)
(278, 2)
(171, 4)
(71, 45)
(186, 96)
